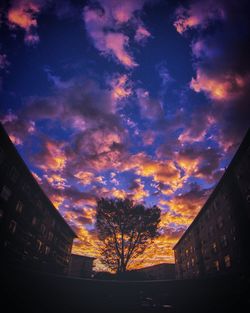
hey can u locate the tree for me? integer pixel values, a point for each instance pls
(125, 229)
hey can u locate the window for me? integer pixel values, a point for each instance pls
(220, 222)
(227, 260)
(214, 246)
(186, 252)
(26, 188)
(5, 193)
(211, 230)
(50, 236)
(215, 206)
(47, 250)
(19, 207)
(39, 245)
(224, 240)
(34, 220)
(192, 261)
(43, 229)
(13, 174)
(217, 265)
(39, 204)
(12, 226)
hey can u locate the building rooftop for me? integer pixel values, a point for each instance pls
(82, 256)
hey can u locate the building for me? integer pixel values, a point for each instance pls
(161, 271)
(33, 234)
(81, 266)
(218, 240)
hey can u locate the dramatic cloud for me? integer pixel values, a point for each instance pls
(221, 62)
(189, 203)
(160, 133)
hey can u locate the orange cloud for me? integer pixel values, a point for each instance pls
(85, 177)
(56, 181)
(23, 13)
(225, 87)
(183, 23)
(164, 172)
(52, 157)
(57, 200)
(120, 88)
(138, 191)
(189, 203)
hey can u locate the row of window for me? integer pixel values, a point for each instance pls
(215, 265)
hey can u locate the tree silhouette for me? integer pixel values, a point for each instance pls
(125, 229)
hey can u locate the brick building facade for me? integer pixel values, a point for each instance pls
(218, 240)
(81, 266)
(33, 234)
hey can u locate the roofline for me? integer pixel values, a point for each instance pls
(241, 148)
(151, 266)
(53, 208)
(83, 256)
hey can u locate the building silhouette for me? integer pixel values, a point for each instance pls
(163, 271)
(218, 240)
(81, 266)
(33, 234)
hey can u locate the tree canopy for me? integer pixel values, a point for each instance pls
(125, 229)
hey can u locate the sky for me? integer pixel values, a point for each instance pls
(146, 99)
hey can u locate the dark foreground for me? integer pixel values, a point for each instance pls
(43, 293)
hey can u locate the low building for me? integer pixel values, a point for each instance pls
(81, 266)
(163, 271)
(33, 234)
(218, 240)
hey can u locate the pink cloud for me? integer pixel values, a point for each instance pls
(141, 34)
(116, 43)
(104, 26)
(122, 11)
(199, 14)
(107, 42)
